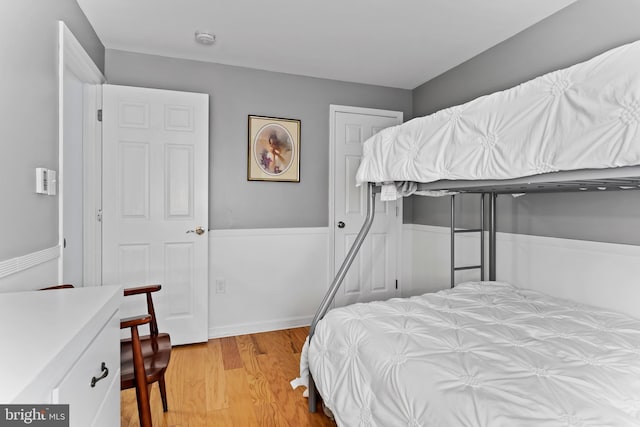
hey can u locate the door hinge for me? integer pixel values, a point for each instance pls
(397, 210)
(99, 215)
(99, 115)
(396, 283)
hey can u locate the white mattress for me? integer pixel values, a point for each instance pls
(482, 354)
(583, 117)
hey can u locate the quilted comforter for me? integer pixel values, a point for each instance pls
(585, 116)
(482, 354)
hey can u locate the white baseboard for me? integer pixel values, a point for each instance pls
(257, 327)
(276, 278)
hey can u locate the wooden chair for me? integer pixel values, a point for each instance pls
(156, 353)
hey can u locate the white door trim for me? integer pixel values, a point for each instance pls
(92, 186)
(333, 109)
(72, 56)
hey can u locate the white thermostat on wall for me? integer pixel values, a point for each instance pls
(46, 181)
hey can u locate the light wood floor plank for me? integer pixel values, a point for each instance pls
(269, 415)
(298, 335)
(291, 403)
(219, 418)
(193, 381)
(216, 381)
(127, 417)
(275, 342)
(258, 384)
(240, 402)
(230, 354)
(181, 360)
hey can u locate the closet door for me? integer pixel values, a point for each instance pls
(155, 203)
(374, 273)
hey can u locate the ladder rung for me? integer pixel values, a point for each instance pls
(469, 267)
(469, 230)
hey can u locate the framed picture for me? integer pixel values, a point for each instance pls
(274, 149)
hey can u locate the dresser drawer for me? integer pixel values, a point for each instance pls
(109, 413)
(75, 388)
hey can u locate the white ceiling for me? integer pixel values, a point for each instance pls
(400, 43)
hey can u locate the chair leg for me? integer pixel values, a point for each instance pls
(163, 394)
(144, 407)
(142, 390)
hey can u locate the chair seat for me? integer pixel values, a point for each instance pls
(156, 358)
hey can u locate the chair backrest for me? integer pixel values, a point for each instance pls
(147, 290)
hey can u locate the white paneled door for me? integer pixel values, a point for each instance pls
(155, 203)
(373, 275)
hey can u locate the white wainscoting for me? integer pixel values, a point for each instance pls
(274, 278)
(601, 274)
(30, 271)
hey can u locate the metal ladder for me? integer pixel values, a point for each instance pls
(455, 231)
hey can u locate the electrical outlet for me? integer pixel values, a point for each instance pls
(221, 286)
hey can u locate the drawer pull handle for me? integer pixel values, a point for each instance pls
(105, 372)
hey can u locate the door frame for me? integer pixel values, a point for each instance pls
(333, 109)
(73, 57)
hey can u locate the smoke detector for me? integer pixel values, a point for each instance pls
(205, 37)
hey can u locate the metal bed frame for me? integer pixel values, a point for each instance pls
(614, 179)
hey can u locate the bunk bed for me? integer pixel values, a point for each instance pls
(488, 353)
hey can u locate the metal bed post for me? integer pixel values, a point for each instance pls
(492, 236)
(453, 240)
(337, 281)
(482, 230)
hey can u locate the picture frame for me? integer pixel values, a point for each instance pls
(274, 149)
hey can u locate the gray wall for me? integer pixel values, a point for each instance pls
(29, 115)
(237, 92)
(576, 33)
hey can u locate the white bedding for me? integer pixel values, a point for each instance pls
(482, 354)
(585, 116)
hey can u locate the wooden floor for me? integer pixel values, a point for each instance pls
(236, 381)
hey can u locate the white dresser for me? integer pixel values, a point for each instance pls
(54, 343)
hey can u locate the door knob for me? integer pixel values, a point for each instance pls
(199, 230)
(341, 224)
